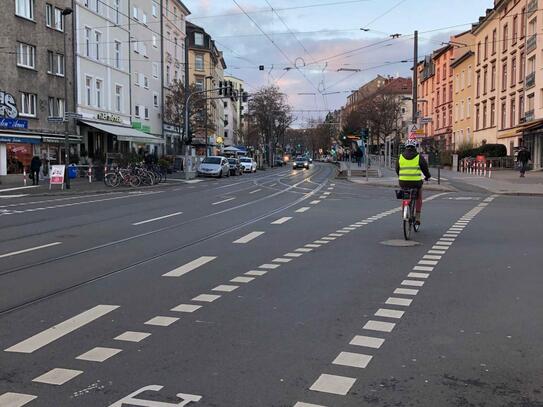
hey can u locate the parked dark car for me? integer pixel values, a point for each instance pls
(235, 166)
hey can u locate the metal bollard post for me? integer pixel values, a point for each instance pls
(24, 176)
(90, 174)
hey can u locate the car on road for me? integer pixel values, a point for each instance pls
(214, 166)
(300, 162)
(235, 166)
(249, 165)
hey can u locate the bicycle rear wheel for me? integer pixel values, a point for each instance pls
(112, 180)
(407, 229)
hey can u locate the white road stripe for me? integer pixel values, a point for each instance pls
(56, 377)
(399, 301)
(302, 210)
(130, 336)
(268, 266)
(257, 273)
(436, 252)
(314, 202)
(423, 268)
(161, 321)
(223, 201)
(186, 308)
(328, 238)
(292, 254)
(255, 191)
(321, 241)
(155, 219)
(303, 250)
(242, 280)
(15, 399)
(418, 275)
(431, 257)
(314, 246)
(333, 384)
(300, 404)
(440, 247)
(406, 291)
(281, 260)
(389, 313)
(428, 262)
(379, 326)
(29, 250)
(350, 359)
(336, 234)
(247, 238)
(178, 272)
(225, 288)
(99, 354)
(367, 341)
(17, 189)
(50, 335)
(206, 297)
(281, 220)
(413, 283)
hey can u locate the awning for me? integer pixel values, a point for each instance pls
(126, 133)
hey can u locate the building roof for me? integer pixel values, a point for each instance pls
(438, 52)
(461, 59)
(398, 86)
(187, 11)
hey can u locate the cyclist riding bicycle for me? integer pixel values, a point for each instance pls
(410, 168)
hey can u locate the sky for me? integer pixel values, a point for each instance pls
(315, 50)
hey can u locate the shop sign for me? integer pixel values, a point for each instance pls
(13, 123)
(10, 139)
(57, 175)
(8, 107)
(109, 117)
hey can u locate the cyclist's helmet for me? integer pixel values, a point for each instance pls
(411, 142)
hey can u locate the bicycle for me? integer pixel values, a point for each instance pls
(409, 203)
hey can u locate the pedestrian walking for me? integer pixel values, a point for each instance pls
(359, 155)
(35, 166)
(523, 158)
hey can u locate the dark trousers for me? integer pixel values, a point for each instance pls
(523, 168)
(35, 177)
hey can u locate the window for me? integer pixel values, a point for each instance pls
(98, 6)
(49, 15)
(485, 77)
(118, 98)
(59, 107)
(117, 9)
(155, 99)
(175, 47)
(522, 23)
(28, 104)
(167, 74)
(199, 62)
(200, 84)
(25, 8)
(98, 38)
(462, 110)
(484, 116)
(504, 116)
(456, 113)
(155, 41)
(117, 54)
(522, 67)
(99, 101)
(515, 33)
(175, 14)
(513, 112)
(469, 75)
(492, 113)
(463, 80)
(50, 62)
(478, 53)
(135, 13)
(531, 65)
(137, 111)
(155, 9)
(176, 75)
(59, 64)
(59, 20)
(505, 37)
(486, 48)
(145, 82)
(468, 108)
(457, 83)
(199, 39)
(88, 33)
(146, 110)
(478, 84)
(26, 56)
(504, 75)
(477, 112)
(493, 76)
(51, 107)
(437, 98)
(532, 27)
(520, 107)
(530, 103)
(136, 47)
(155, 70)
(136, 79)
(513, 71)
(144, 18)
(88, 90)
(494, 40)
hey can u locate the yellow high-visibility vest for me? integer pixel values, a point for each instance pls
(410, 169)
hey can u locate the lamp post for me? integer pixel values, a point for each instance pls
(66, 12)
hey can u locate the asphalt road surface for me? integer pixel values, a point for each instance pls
(281, 288)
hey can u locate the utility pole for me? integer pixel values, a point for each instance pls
(66, 12)
(415, 75)
(187, 114)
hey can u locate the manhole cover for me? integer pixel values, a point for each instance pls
(400, 243)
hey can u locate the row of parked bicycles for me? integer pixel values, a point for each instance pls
(134, 176)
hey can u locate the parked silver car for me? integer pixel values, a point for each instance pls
(249, 165)
(214, 166)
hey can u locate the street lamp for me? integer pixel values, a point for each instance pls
(66, 12)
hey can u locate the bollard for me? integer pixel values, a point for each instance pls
(490, 170)
(24, 176)
(484, 169)
(90, 174)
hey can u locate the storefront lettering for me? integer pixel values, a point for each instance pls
(8, 107)
(13, 123)
(109, 117)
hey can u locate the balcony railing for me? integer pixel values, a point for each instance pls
(529, 116)
(531, 8)
(531, 43)
(530, 80)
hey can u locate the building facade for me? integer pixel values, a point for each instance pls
(233, 110)
(443, 82)
(37, 83)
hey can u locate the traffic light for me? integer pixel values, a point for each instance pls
(245, 97)
(220, 88)
(230, 89)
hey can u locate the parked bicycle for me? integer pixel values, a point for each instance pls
(134, 176)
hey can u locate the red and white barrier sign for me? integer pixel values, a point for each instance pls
(57, 175)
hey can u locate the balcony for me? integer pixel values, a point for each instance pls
(531, 8)
(530, 80)
(531, 43)
(529, 116)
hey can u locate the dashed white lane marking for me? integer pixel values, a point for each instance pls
(405, 302)
(328, 238)
(15, 399)
(389, 313)
(206, 297)
(350, 228)
(423, 268)
(223, 201)
(431, 257)
(131, 336)
(302, 210)
(242, 279)
(413, 283)
(225, 288)
(443, 243)
(313, 246)
(186, 308)
(303, 250)
(293, 254)
(161, 321)
(418, 275)
(56, 377)
(171, 215)
(335, 234)
(300, 404)
(178, 272)
(379, 326)
(30, 249)
(333, 384)
(247, 238)
(268, 266)
(281, 260)
(314, 202)
(323, 197)
(367, 341)
(255, 191)
(257, 273)
(281, 220)
(330, 188)
(44, 338)
(326, 193)
(350, 359)
(436, 252)
(428, 262)
(99, 354)
(12, 196)
(406, 291)
(332, 185)
(438, 247)
(321, 241)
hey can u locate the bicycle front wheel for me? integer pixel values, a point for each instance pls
(111, 180)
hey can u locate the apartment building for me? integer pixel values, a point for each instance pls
(37, 83)
(464, 89)
(426, 97)
(233, 111)
(443, 82)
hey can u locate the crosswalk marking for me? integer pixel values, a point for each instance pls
(281, 260)
(242, 280)
(225, 288)
(352, 359)
(406, 291)
(178, 272)
(399, 301)
(333, 384)
(292, 254)
(186, 308)
(300, 404)
(389, 313)
(302, 210)
(379, 326)
(367, 341)
(413, 283)
(257, 273)
(161, 321)
(56, 332)
(206, 298)
(268, 266)
(99, 354)
(57, 377)
(130, 336)
(280, 221)
(15, 399)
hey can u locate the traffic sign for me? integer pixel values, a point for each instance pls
(426, 120)
(73, 115)
(420, 132)
(55, 119)
(412, 128)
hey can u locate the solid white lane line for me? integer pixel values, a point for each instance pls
(161, 321)
(29, 250)
(399, 301)
(413, 283)
(418, 275)
(155, 219)
(56, 377)
(293, 254)
(247, 238)
(367, 341)
(281, 260)
(223, 201)
(99, 354)
(314, 202)
(255, 191)
(186, 308)
(257, 273)
(18, 188)
(423, 268)
(389, 313)
(281, 220)
(406, 291)
(242, 280)
(44, 338)
(350, 359)
(225, 288)
(178, 272)
(130, 336)
(302, 210)
(15, 399)
(379, 326)
(303, 250)
(327, 383)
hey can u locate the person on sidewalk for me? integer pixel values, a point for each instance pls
(410, 168)
(523, 158)
(35, 166)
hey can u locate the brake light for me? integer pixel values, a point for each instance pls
(406, 202)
